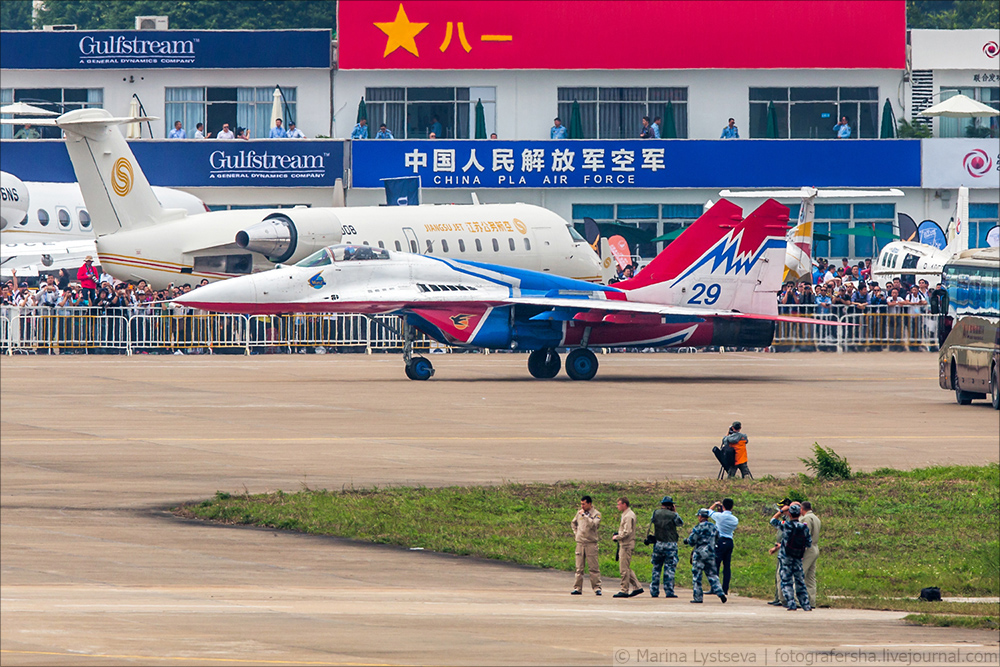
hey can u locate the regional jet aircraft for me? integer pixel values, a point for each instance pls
(137, 238)
(715, 285)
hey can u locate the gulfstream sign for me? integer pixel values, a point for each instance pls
(135, 50)
(165, 49)
(251, 164)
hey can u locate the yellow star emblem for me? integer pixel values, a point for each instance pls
(401, 33)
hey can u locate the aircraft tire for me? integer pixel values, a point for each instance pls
(544, 364)
(419, 369)
(581, 364)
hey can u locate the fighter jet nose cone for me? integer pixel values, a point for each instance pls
(236, 295)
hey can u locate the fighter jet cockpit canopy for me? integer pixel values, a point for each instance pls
(343, 253)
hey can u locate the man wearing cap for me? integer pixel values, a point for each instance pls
(738, 442)
(87, 275)
(665, 522)
(585, 525)
(795, 540)
(702, 539)
(725, 523)
(779, 597)
(625, 537)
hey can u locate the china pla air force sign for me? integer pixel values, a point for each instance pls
(636, 163)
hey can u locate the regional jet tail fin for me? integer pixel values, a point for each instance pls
(958, 231)
(116, 192)
(721, 261)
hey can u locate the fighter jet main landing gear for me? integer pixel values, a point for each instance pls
(417, 368)
(581, 364)
(544, 363)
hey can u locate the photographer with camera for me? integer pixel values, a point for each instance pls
(702, 540)
(664, 540)
(725, 524)
(795, 540)
(738, 442)
(625, 537)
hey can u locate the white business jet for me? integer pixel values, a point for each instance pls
(138, 238)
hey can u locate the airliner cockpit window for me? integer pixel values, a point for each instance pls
(352, 253)
(575, 234)
(318, 258)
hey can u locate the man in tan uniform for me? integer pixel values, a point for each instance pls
(625, 537)
(585, 525)
(812, 553)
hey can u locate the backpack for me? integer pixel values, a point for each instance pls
(726, 455)
(795, 546)
(930, 594)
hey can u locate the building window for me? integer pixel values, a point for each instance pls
(843, 217)
(811, 113)
(982, 218)
(413, 113)
(971, 127)
(654, 219)
(58, 100)
(616, 113)
(239, 107)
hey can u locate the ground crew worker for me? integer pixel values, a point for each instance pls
(794, 542)
(702, 538)
(812, 553)
(665, 522)
(738, 442)
(625, 537)
(585, 525)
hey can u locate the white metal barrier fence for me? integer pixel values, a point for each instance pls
(54, 330)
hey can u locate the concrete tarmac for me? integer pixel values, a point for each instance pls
(95, 450)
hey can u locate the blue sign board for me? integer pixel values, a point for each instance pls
(286, 163)
(165, 49)
(631, 163)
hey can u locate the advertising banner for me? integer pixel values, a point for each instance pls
(950, 163)
(594, 34)
(285, 163)
(635, 163)
(165, 49)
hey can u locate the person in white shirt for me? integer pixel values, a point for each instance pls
(226, 133)
(199, 132)
(294, 132)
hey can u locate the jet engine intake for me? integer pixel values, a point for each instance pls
(292, 234)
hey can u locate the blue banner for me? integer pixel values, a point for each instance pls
(195, 164)
(402, 191)
(167, 49)
(930, 234)
(627, 163)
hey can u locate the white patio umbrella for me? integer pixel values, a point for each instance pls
(960, 106)
(276, 106)
(22, 109)
(134, 130)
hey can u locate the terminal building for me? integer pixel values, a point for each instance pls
(786, 72)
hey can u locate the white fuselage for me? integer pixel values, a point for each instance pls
(909, 258)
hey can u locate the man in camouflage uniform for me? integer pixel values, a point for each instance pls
(665, 522)
(702, 538)
(792, 578)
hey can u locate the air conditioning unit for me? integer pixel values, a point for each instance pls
(61, 26)
(152, 22)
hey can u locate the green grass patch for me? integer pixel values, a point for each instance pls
(885, 534)
(918, 606)
(935, 620)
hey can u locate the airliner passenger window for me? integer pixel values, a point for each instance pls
(444, 245)
(84, 219)
(43, 218)
(479, 245)
(527, 243)
(399, 248)
(510, 242)
(461, 245)
(63, 216)
(381, 245)
(430, 246)
(496, 246)
(413, 246)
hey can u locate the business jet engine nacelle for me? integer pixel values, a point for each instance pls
(13, 200)
(291, 235)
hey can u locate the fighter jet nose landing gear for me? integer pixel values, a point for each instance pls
(581, 364)
(417, 368)
(544, 363)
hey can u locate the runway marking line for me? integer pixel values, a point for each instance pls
(391, 439)
(200, 659)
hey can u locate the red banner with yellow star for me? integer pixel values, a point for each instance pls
(635, 35)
